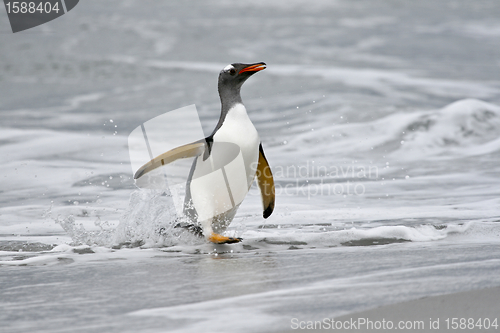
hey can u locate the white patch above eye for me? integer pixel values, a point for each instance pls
(228, 67)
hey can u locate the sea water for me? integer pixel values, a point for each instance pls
(381, 123)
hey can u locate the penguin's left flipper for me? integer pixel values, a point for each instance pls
(219, 239)
(266, 183)
(190, 150)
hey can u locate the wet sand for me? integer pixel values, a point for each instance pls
(428, 314)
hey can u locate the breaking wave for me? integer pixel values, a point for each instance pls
(466, 127)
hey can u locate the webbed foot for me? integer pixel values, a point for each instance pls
(219, 239)
(195, 229)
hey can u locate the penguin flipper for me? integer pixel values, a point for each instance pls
(190, 150)
(266, 183)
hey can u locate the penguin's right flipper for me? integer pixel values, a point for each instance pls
(190, 150)
(219, 239)
(266, 183)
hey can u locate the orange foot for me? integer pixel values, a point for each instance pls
(219, 239)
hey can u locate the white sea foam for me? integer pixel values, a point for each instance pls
(464, 128)
(461, 129)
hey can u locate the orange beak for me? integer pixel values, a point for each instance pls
(254, 68)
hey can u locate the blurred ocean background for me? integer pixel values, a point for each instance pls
(380, 120)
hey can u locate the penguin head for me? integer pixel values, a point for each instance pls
(234, 75)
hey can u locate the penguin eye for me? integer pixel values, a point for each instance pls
(232, 71)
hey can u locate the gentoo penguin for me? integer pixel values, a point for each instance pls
(210, 184)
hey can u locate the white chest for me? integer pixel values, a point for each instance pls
(220, 183)
(238, 129)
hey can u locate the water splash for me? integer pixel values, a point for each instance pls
(149, 221)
